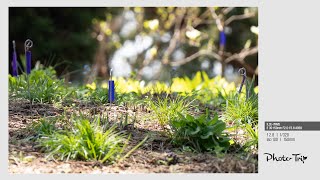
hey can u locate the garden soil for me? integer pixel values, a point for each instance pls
(156, 155)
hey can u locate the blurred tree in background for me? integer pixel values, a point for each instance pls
(145, 43)
(60, 35)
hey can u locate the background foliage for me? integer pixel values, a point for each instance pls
(88, 41)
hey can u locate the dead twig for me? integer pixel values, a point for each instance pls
(227, 10)
(175, 38)
(194, 56)
(217, 18)
(242, 55)
(238, 17)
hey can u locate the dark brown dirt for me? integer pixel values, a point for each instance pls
(156, 155)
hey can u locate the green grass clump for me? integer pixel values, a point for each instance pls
(86, 140)
(200, 133)
(166, 109)
(252, 137)
(41, 85)
(129, 99)
(240, 109)
(99, 95)
(44, 127)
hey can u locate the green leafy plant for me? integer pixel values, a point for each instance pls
(41, 85)
(201, 133)
(166, 109)
(207, 96)
(86, 140)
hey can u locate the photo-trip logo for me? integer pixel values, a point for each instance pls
(297, 157)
